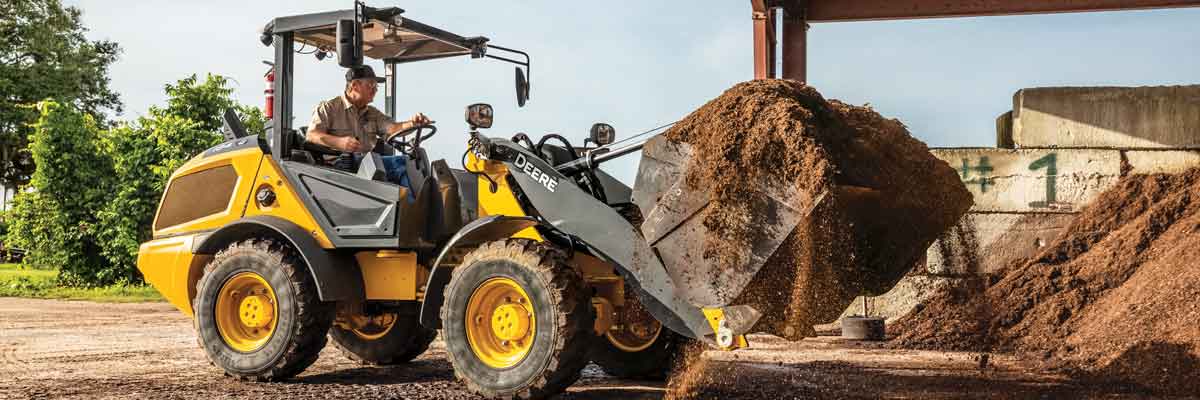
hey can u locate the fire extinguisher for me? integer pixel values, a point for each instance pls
(269, 108)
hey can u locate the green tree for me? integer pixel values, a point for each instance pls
(44, 55)
(205, 102)
(56, 220)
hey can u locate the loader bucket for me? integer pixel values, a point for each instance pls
(674, 229)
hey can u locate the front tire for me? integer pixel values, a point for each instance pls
(258, 316)
(517, 320)
(388, 339)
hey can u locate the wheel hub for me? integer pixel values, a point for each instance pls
(257, 311)
(510, 322)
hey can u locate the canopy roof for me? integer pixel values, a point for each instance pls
(386, 35)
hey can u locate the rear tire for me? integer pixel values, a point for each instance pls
(258, 316)
(396, 343)
(642, 348)
(517, 321)
(653, 363)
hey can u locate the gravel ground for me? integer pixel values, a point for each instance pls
(62, 349)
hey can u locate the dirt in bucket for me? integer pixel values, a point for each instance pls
(886, 198)
(1113, 298)
(879, 199)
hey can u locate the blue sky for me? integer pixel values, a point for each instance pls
(638, 64)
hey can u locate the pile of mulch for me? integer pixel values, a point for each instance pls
(1117, 296)
(879, 197)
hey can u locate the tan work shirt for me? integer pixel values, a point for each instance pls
(340, 118)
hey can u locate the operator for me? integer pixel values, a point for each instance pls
(349, 123)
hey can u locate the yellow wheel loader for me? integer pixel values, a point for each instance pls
(529, 259)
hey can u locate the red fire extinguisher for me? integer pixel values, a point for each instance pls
(269, 108)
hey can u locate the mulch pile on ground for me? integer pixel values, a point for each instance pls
(1115, 297)
(886, 198)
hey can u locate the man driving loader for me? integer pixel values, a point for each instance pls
(351, 124)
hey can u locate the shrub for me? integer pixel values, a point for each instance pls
(55, 219)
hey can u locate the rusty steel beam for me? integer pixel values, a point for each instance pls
(764, 39)
(865, 10)
(795, 45)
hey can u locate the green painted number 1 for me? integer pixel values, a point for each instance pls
(1050, 163)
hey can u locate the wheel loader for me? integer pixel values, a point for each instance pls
(528, 259)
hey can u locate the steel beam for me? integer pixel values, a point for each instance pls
(795, 45)
(764, 39)
(865, 10)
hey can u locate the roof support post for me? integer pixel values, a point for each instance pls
(281, 125)
(764, 39)
(389, 98)
(795, 43)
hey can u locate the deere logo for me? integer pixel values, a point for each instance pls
(536, 173)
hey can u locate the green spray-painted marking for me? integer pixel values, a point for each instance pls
(1050, 163)
(983, 168)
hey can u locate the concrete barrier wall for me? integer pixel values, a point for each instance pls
(908, 293)
(984, 243)
(1107, 117)
(1033, 180)
(1071, 144)
(1160, 161)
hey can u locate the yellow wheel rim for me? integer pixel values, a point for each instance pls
(635, 329)
(245, 312)
(500, 323)
(376, 327)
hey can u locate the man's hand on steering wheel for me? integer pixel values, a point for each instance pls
(420, 120)
(419, 124)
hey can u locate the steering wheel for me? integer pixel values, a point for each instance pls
(409, 147)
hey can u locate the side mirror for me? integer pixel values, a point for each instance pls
(349, 43)
(603, 134)
(522, 88)
(479, 115)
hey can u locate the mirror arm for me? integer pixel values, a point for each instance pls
(514, 51)
(526, 63)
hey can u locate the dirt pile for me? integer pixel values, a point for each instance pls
(1114, 297)
(879, 198)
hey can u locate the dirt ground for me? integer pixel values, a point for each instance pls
(60, 349)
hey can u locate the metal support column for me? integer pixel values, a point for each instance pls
(281, 125)
(795, 43)
(389, 69)
(764, 40)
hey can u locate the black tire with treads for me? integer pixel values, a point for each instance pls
(563, 320)
(302, 319)
(406, 340)
(652, 363)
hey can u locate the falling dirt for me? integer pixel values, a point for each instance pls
(690, 373)
(879, 198)
(1114, 297)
